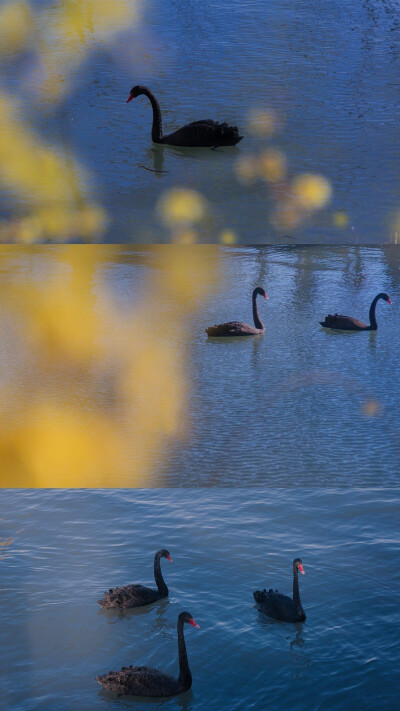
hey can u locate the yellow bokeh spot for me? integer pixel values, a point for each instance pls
(246, 169)
(262, 122)
(311, 191)
(184, 237)
(181, 207)
(272, 165)
(371, 408)
(287, 215)
(227, 237)
(340, 219)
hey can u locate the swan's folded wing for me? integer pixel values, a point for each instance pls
(274, 603)
(138, 681)
(204, 133)
(232, 328)
(128, 596)
(342, 323)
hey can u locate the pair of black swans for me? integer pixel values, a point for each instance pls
(335, 322)
(146, 681)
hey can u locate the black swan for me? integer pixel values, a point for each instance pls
(145, 681)
(138, 595)
(206, 133)
(348, 323)
(282, 607)
(238, 328)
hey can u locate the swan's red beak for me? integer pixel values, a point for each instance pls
(130, 98)
(169, 558)
(389, 302)
(265, 297)
(192, 622)
(302, 571)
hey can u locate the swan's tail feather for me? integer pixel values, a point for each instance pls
(228, 135)
(259, 595)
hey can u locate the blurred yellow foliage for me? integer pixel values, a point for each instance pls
(51, 182)
(47, 180)
(272, 165)
(89, 392)
(269, 165)
(294, 198)
(178, 208)
(16, 24)
(247, 169)
(340, 219)
(262, 122)
(311, 191)
(75, 28)
(227, 237)
(305, 194)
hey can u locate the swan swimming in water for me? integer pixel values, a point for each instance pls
(204, 133)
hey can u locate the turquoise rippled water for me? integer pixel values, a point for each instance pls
(70, 545)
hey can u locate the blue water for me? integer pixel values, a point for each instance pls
(69, 546)
(329, 70)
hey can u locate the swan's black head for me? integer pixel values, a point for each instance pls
(187, 617)
(163, 553)
(298, 563)
(259, 291)
(135, 91)
(385, 297)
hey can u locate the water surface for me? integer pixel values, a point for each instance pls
(69, 546)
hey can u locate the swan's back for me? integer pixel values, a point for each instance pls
(233, 328)
(278, 606)
(140, 681)
(204, 133)
(129, 596)
(343, 323)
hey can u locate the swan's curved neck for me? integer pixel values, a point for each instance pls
(257, 321)
(158, 576)
(156, 129)
(296, 591)
(372, 320)
(185, 675)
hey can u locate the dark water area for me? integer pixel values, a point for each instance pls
(328, 71)
(69, 546)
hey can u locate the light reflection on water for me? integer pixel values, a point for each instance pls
(225, 543)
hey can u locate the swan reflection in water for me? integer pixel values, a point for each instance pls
(183, 702)
(158, 620)
(298, 657)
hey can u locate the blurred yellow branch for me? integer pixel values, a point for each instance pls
(94, 391)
